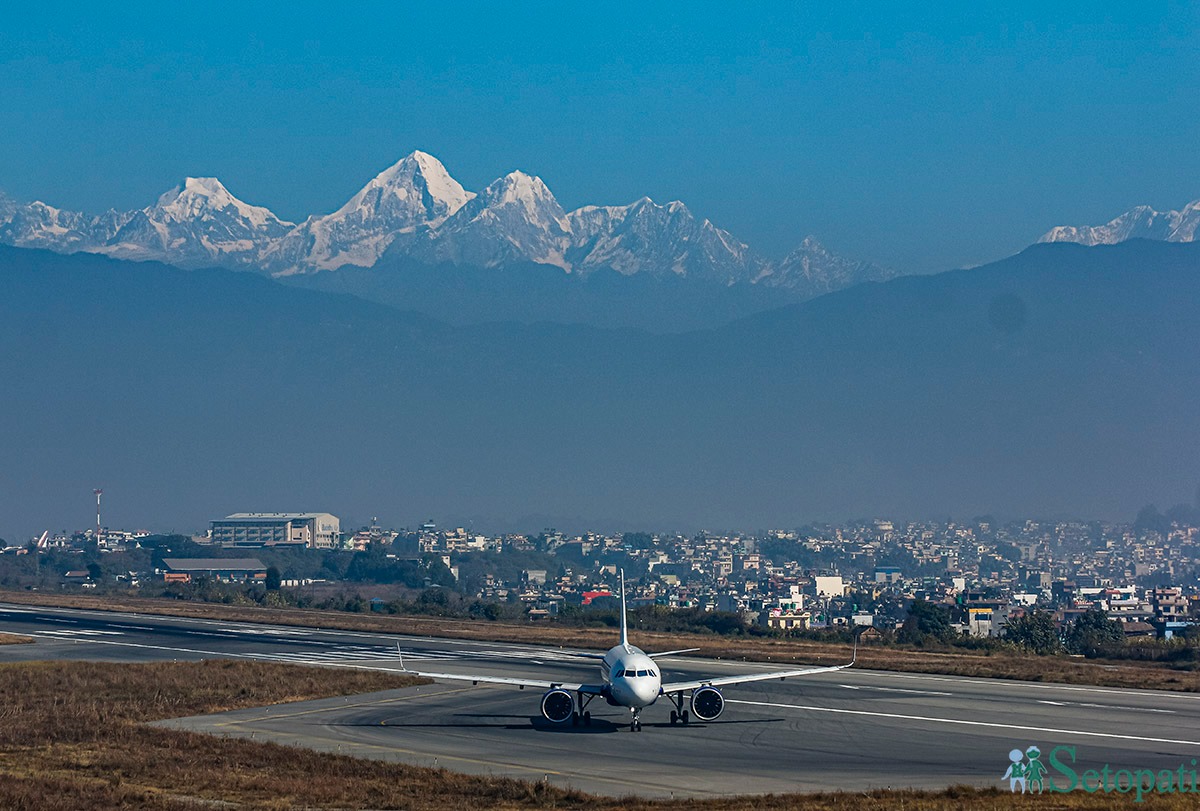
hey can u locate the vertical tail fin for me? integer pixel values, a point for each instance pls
(624, 625)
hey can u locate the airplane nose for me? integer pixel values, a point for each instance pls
(646, 692)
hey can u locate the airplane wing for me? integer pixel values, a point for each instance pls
(537, 684)
(682, 686)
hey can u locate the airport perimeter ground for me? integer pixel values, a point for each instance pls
(855, 730)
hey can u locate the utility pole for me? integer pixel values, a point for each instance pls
(98, 493)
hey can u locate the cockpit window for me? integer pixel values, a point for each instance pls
(620, 672)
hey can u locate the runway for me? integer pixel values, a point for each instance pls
(851, 730)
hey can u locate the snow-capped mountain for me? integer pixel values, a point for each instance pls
(813, 271)
(515, 219)
(195, 224)
(415, 212)
(416, 192)
(644, 237)
(1140, 222)
(37, 225)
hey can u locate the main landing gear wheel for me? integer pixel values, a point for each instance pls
(674, 718)
(683, 716)
(574, 719)
(587, 719)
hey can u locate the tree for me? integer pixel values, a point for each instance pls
(95, 572)
(1035, 632)
(1094, 632)
(274, 581)
(638, 540)
(926, 622)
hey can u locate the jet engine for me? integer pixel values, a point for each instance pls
(558, 706)
(707, 703)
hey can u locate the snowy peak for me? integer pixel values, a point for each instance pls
(416, 190)
(197, 223)
(665, 240)
(199, 198)
(518, 188)
(1140, 222)
(811, 270)
(37, 225)
(524, 197)
(515, 219)
(414, 193)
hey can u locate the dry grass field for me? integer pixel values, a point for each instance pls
(15, 639)
(72, 737)
(1059, 669)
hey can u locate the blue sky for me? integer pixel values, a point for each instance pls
(924, 138)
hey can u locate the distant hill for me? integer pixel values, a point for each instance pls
(1062, 381)
(529, 293)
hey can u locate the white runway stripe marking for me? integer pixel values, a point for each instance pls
(1104, 706)
(959, 722)
(896, 690)
(266, 631)
(82, 632)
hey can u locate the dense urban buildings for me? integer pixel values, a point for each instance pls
(864, 574)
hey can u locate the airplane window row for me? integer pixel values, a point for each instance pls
(633, 673)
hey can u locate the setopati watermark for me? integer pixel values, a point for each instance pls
(1031, 772)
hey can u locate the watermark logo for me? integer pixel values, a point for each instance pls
(1026, 771)
(1028, 774)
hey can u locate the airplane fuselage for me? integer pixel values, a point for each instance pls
(632, 677)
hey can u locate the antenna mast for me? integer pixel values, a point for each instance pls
(98, 493)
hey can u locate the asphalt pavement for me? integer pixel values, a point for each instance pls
(853, 730)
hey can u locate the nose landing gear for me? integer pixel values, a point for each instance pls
(636, 724)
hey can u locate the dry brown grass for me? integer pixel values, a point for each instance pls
(71, 738)
(981, 664)
(15, 639)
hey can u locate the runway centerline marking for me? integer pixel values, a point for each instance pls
(895, 690)
(961, 722)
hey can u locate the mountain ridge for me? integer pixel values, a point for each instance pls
(416, 210)
(1139, 222)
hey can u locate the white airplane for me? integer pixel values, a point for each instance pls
(629, 677)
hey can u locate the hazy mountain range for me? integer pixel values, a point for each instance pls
(1140, 222)
(415, 212)
(1062, 381)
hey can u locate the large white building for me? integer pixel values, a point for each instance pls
(312, 530)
